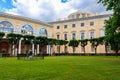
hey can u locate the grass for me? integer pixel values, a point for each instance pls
(61, 68)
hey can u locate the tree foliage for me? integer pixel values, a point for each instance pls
(113, 24)
(83, 42)
(95, 42)
(14, 38)
(28, 39)
(74, 43)
(1, 35)
(42, 41)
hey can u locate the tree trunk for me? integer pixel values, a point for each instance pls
(95, 50)
(84, 50)
(106, 50)
(59, 49)
(73, 50)
(116, 52)
(40, 49)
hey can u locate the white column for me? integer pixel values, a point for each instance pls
(33, 49)
(47, 49)
(19, 47)
(37, 48)
(13, 50)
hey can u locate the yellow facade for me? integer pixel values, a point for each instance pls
(97, 28)
(17, 22)
(80, 25)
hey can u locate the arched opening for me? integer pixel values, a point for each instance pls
(4, 47)
(43, 32)
(27, 29)
(6, 26)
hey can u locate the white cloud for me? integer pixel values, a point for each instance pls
(50, 10)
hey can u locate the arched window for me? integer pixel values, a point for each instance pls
(27, 29)
(73, 35)
(82, 35)
(43, 32)
(6, 26)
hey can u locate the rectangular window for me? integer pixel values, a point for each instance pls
(108, 48)
(103, 32)
(58, 49)
(66, 49)
(58, 36)
(58, 27)
(73, 36)
(78, 15)
(82, 24)
(82, 49)
(73, 25)
(92, 34)
(74, 49)
(92, 49)
(65, 26)
(82, 35)
(65, 36)
(91, 23)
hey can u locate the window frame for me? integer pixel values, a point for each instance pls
(73, 25)
(57, 27)
(65, 26)
(65, 36)
(58, 36)
(82, 24)
(92, 23)
(93, 34)
(81, 35)
(74, 38)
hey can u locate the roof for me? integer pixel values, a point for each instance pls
(7, 15)
(80, 19)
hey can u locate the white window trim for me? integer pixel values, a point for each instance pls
(84, 34)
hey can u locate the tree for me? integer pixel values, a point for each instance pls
(59, 43)
(42, 41)
(103, 41)
(114, 42)
(83, 43)
(51, 42)
(1, 35)
(95, 42)
(74, 44)
(13, 39)
(65, 43)
(113, 24)
(28, 40)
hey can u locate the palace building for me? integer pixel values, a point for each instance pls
(78, 25)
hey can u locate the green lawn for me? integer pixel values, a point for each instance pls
(61, 68)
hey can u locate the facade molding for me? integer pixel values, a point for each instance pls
(6, 15)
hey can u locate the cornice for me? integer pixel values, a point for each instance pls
(6, 15)
(81, 19)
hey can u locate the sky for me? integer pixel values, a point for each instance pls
(50, 10)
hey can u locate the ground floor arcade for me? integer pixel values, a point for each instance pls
(20, 48)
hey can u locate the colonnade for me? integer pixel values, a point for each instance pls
(35, 51)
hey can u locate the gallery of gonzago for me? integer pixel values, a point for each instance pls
(78, 25)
